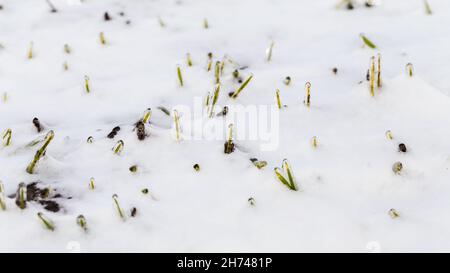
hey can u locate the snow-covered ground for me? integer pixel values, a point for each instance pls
(347, 185)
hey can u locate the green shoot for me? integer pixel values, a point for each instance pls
(164, 110)
(41, 152)
(379, 70)
(372, 76)
(30, 54)
(258, 163)
(389, 135)
(269, 51)
(67, 49)
(92, 183)
(205, 23)
(189, 59)
(196, 167)
(21, 196)
(176, 119)
(367, 41)
(81, 221)
(214, 100)
(2, 197)
(428, 10)
(161, 22)
(307, 100)
(217, 72)
(102, 38)
(207, 99)
(209, 65)
(397, 167)
(287, 80)
(147, 115)
(7, 137)
(409, 69)
(5, 97)
(251, 201)
(180, 76)
(118, 147)
(394, 213)
(289, 181)
(229, 145)
(65, 66)
(46, 221)
(90, 140)
(118, 208)
(277, 93)
(86, 84)
(244, 84)
(314, 142)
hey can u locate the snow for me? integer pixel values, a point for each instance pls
(347, 184)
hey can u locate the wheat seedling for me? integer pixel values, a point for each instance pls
(214, 100)
(41, 152)
(244, 84)
(397, 167)
(367, 41)
(86, 84)
(21, 196)
(269, 52)
(251, 201)
(287, 80)
(379, 70)
(389, 135)
(30, 53)
(67, 49)
(258, 163)
(277, 93)
(102, 38)
(92, 183)
(7, 137)
(2, 197)
(180, 76)
(394, 213)
(307, 100)
(176, 119)
(427, 7)
(289, 181)
(189, 59)
(81, 221)
(217, 72)
(209, 65)
(372, 76)
(46, 221)
(314, 142)
(90, 140)
(118, 147)
(409, 69)
(229, 145)
(117, 205)
(205, 23)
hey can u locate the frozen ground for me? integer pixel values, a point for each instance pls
(347, 183)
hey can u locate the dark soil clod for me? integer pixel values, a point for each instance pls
(402, 147)
(37, 124)
(106, 16)
(140, 130)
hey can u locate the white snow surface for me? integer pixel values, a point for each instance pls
(347, 184)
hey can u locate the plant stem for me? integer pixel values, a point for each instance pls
(40, 152)
(244, 84)
(47, 222)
